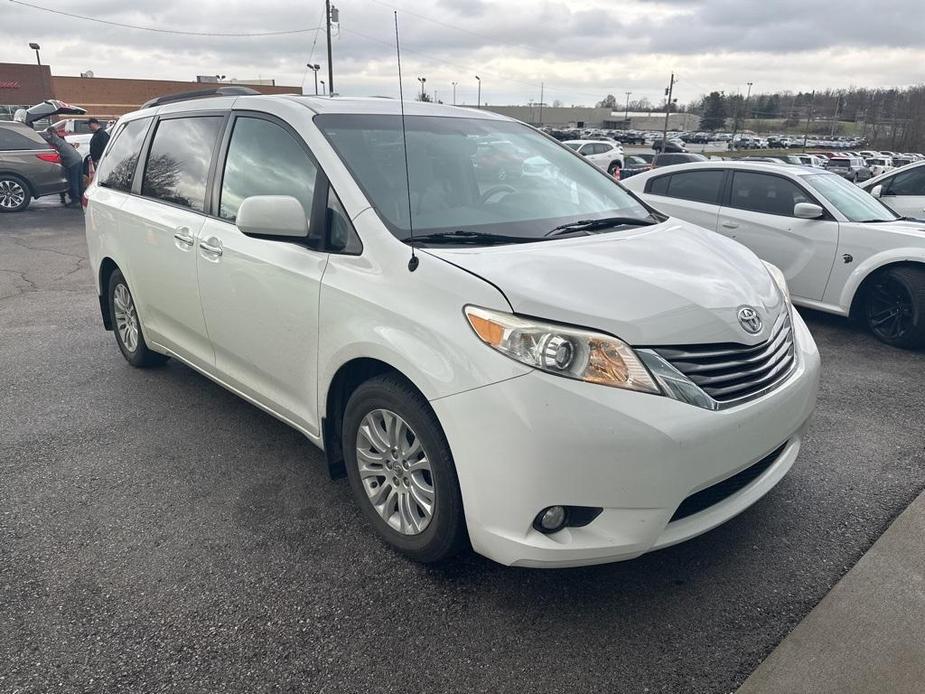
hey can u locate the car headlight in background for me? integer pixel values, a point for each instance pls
(561, 350)
(779, 279)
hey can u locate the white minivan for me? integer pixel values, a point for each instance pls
(543, 368)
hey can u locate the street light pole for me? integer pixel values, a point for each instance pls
(626, 111)
(422, 80)
(329, 19)
(454, 93)
(35, 47)
(668, 93)
(322, 88)
(314, 69)
(478, 99)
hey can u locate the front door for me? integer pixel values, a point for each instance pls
(904, 193)
(760, 216)
(260, 296)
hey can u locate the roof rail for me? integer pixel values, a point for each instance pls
(199, 94)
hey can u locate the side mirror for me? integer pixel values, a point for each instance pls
(272, 215)
(807, 210)
(877, 190)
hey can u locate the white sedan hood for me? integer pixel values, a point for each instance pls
(670, 284)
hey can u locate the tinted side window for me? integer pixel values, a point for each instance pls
(659, 186)
(264, 159)
(178, 164)
(13, 137)
(908, 182)
(700, 186)
(764, 193)
(118, 166)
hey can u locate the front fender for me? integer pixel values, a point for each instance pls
(874, 263)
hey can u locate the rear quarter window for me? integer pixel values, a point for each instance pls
(117, 169)
(15, 138)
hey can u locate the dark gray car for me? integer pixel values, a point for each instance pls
(29, 167)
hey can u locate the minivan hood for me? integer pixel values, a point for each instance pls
(670, 284)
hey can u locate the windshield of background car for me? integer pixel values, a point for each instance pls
(856, 204)
(472, 174)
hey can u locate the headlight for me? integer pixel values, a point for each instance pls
(561, 350)
(779, 279)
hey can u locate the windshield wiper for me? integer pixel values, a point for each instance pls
(604, 223)
(467, 237)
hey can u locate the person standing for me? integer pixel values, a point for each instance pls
(70, 160)
(99, 140)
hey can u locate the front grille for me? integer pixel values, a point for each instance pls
(713, 494)
(729, 371)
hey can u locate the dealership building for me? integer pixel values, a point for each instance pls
(24, 85)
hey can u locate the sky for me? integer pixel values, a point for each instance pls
(580, 50)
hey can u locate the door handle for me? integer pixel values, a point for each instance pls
(212, 246)
(730, 225)
(183, 235)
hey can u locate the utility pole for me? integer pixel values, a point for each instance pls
(328, 15)
(668, 92)
(541, 104)
(626, 111)
(835, 116)
(454, 93)
(809, 117)
(735, 116)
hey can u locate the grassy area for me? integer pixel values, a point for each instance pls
(777, 125)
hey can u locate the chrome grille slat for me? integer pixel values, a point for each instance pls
(728, 372)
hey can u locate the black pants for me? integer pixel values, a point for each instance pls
(74, 174)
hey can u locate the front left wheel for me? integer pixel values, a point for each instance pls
(127, 326)
(401, 470)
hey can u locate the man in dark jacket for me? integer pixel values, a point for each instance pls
(98, 141)
(70, 160)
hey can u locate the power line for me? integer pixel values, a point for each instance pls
(160, 30)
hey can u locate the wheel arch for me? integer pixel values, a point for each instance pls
(348, 377)
(863, 283)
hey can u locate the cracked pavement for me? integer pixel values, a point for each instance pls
(159, 534)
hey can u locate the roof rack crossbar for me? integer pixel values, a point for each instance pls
(199, 94)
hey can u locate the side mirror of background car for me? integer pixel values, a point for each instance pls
(272, 215)
(877, 191)
(807, 210)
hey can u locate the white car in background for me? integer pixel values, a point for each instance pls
(604, 154)
(841, 250)
(902, 189)
(878, 165)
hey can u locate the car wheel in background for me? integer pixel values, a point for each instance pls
(127, 326)
(894, 306)
(401, 470)
(613, 168)
(15, 195)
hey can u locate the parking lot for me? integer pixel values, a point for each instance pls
(158, 533)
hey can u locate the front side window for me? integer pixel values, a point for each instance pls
(699, 186)
(264, 159)
(908, 182)
(764, 193)
(117, 169)
(856, 204)
(179, 161)
(531, 187)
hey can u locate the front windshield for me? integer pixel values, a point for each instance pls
(856, 204)
(472, 175)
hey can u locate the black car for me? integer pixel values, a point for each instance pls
(634, 164)
(669, 158)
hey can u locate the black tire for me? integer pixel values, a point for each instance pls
(445, 534)
(894, 306)
(141, 356)
(15, 194)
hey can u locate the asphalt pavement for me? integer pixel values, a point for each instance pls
(159, 534)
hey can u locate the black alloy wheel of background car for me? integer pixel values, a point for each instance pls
(894, 307)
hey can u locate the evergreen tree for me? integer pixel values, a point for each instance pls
(714, 112)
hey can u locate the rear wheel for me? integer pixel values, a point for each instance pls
(15, 195)
(127, 326)
(894, 306)
(401, 470)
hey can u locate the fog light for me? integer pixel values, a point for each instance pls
(551, 519)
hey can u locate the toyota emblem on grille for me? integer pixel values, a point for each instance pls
(749, 320)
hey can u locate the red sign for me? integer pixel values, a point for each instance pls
(10, 84)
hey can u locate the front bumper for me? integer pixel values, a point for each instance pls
(540, 440)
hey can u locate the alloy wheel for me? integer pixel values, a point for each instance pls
(12, 194)
(395, 472)
(126, 317)
(890, 312)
